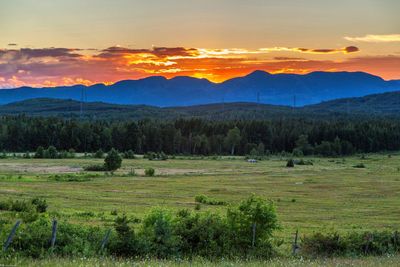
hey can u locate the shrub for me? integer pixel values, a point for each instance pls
(32, 239)
(206, 200)
(39, 154)
(99, 154)
(353, 243)
(205, 235)
(5, 205)
(20, 206)
(290, 163)
(113, 160)
(72, 177)
(155, 156)
(303, 162)
(158, 235)
(253, 216)
(125, 243)
(95, 168)
(129, 154)
(114, 212)
(51, 153)
(359, 165)
(323, 245)
(40, 204)
(149, 172)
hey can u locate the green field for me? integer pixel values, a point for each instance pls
(330, 195)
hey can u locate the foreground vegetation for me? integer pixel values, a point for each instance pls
(335, 204)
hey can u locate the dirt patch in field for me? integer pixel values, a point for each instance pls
(38, 168)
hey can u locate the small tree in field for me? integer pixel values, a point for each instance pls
(290, 163)
(112, 161)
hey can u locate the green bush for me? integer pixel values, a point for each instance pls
(351, 244)
(149, 172)
(205, 235)
(157, 236)
(20, 206)
(95, 168)
(69, 177)
(360, 166)
(40, 204)
(290, 163)
(125, 243)
(155, 156)
(32, 240)
(5, 205)
(99, 154)
(252, 216)
(129, 154)
(305, 162)
(39, 152)
(113, 160)
(208, 201)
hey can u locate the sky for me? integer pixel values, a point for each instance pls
(54, 42)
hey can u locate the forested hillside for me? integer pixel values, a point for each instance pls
(386, 104)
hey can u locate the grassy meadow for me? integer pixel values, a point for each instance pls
(330, 195)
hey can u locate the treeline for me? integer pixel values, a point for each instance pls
(202, 137)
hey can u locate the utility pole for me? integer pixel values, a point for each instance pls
(81, 104)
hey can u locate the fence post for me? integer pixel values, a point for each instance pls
(53, 234)
(254, 235)
(395, 237)
(295, 247)
(370, 238)
(105, 239)
(11, 235)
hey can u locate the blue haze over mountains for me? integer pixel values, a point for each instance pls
(259, 86)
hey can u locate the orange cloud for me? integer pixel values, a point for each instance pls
(64, 66)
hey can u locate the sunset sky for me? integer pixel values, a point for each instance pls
(54, 42)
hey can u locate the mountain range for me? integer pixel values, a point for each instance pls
(377, 105)
(258, 87)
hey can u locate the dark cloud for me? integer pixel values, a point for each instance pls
(50, 52)
(346, 50)
(12, 44)
(351, 49)
(27, 53)
(161, 52)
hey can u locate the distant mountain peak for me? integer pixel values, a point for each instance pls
(259, 73)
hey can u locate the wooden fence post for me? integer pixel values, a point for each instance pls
(11, 235)
(253, 243)
(53, 234)
(295, 247)
(395, 240)
(105, 240)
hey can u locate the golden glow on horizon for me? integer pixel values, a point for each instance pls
(62, 66)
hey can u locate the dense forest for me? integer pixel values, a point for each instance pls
(202, 137)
